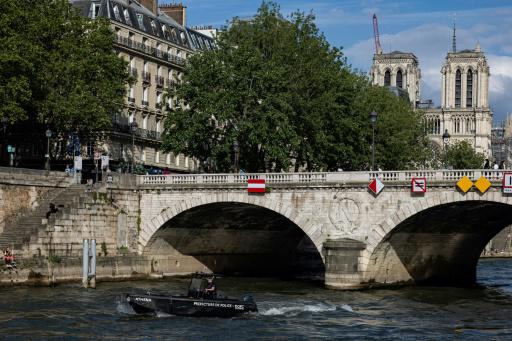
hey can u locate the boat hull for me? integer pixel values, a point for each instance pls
(186, 306)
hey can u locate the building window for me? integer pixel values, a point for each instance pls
(153, 27)
(158, 126)
(458, 87)
(399, 82)
(158, 98)
(178, 160)
(140, 19)
(157, 157)
(116, 13)
(131, 117)
(145, 122)
(131, 94)
(387, 78)
(168, 159)
(145, 96)
(95, 10)
(469, 90)
(143, 157)
(127, 18)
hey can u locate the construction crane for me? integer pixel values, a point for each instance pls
(378, 48)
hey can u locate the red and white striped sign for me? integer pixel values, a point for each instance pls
(256, 185)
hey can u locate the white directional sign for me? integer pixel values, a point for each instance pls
(507, 182)
(419, 185)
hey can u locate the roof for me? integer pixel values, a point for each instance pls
(132, 13)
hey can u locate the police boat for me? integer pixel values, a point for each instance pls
(201, 300)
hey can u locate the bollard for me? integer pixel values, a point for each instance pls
(89, 263)
(92, 268)
(85, 264)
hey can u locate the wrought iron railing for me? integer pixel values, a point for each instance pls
(149, 50)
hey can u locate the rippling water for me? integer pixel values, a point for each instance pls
(289, 310)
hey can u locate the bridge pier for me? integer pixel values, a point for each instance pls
(343, 263)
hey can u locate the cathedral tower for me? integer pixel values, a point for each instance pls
(398, 70)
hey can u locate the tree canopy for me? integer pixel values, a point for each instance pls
(276, 95)
(58, 67)
(461, 155)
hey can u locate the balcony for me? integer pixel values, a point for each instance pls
(159, 80)
(131, 100)
(148, 50)
(139, 132)
(146, 77)
(171, 83)
(145, 103)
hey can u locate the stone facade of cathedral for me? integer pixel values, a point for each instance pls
(464, 112)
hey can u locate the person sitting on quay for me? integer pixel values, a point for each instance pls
(9, 259)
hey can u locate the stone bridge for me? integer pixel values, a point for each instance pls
(323, 225)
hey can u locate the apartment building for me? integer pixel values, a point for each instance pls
(156, 43)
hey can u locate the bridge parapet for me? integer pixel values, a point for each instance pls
(434, 177)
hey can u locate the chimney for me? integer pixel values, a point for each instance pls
(152, 5)
(176, 11)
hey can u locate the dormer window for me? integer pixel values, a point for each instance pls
(153, 27)
(95, 10)
(140, 19)
(183, 37)
(116, 13)
(127, 17)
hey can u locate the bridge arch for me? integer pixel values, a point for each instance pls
(436, 239)
(211, 205)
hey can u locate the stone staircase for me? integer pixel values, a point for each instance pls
(18, 233)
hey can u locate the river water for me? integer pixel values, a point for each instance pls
(289, 310)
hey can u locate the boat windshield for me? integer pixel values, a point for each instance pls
(197, 286)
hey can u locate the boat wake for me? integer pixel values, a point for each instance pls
(308, 308)
(124, 308)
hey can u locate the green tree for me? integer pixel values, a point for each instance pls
(59, 67)
(461, 155)
(278, 91)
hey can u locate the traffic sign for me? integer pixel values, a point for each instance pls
(376, 186)
(256, 185)
(419, 185)
(507, 182)
(482, 184)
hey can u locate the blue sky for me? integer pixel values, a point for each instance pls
(421, 27)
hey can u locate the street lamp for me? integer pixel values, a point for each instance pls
(4, 145)
(446, 139)
(133, 129)
(48, 135)
(236, 149)
(373, 119)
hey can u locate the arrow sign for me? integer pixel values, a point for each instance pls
(376, 186)
(419, 185)
(507, 182)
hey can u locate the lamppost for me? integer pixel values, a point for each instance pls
(133, 129)
(236, 149)
(373, 119)
(48, 135)
(4, 144)
(446, 139)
